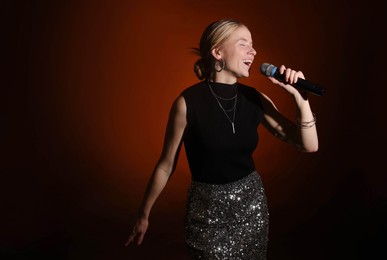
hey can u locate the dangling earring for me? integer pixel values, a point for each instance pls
(218, 65)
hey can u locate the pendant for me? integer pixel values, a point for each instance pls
(233, 127)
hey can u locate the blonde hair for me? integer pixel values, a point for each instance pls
(213, 37)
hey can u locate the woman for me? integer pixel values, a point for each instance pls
(217, 120)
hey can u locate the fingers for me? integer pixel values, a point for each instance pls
(295, 75)
(291, 76)
(132, 237)
(140, 238)
(130, 240)
(282, 69)
(135, 235)
(138, 232)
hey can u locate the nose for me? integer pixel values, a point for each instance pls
(252, 51)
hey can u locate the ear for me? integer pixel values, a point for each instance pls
(216, 53)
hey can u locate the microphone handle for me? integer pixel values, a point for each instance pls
(302, 84)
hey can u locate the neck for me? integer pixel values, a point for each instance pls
(223, 90)
(226, 79)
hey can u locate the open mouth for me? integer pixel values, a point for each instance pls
(248, 63)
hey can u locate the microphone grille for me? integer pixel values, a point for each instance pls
(268, 69)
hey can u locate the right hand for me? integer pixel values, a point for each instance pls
(138, 232)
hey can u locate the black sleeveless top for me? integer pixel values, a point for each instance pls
(215, 154)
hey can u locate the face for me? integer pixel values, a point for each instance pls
(238, 54)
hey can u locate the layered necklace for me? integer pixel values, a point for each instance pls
(225, 111)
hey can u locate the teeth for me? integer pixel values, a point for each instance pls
(247, 62)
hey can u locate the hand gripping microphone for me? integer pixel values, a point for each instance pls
(270, 70)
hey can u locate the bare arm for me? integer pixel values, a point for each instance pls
(305, 139)
(164, 168)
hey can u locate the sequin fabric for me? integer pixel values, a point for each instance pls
(227, 221)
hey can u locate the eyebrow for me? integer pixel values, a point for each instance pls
(245, 40)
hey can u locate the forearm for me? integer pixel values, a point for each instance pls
(306, 126)
(155, 186)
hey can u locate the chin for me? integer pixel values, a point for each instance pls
(245, 75)
(242, 74)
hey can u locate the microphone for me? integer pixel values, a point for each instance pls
(270, 70)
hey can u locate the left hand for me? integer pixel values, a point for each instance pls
(291, 76)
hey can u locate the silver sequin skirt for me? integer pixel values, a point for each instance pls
(229, 221)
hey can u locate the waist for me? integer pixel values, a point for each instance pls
(215, 186)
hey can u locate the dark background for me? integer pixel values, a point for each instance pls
(86, 87)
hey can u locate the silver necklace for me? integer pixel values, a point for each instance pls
(224, 110)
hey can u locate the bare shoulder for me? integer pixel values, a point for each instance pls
(180, 103)
(179, 111)
(179, 106)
